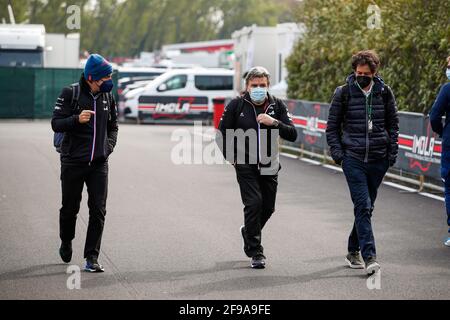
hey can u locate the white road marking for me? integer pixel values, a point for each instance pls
(314, 162)
(288, 155)
(388, 183)
(329, 166)
(399, 186)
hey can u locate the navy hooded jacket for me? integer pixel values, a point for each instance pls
(441, 107)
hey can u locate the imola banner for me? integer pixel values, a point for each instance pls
(310, 119)
(174, 108)
(419, 148)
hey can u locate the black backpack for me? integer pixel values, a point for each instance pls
(58, 137)
(346, 96)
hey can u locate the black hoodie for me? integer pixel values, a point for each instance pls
(91, 142)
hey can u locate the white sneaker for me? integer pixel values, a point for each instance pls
(372, 267)
(447, 242)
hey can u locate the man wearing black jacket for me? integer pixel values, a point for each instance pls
(90, 133)
(362, 133)
(248, 138)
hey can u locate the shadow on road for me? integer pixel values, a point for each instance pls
(43, 270)
(160, 276)
(241, 283)
(258, 282)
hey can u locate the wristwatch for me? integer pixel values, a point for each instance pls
(275, 123)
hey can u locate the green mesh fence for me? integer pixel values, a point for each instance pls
(47, 87)
(16, 92)
(31, 92)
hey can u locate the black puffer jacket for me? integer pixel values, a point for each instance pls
(347, 128)
(91, 142)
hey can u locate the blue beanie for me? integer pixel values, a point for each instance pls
(97, 67)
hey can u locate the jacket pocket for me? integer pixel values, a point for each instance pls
(346, 141)
(108, 148)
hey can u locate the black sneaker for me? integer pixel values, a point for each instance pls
(259, 261)
(65, 251)
(92, 265)
(372, 266)
(354, 260)
(244, 240)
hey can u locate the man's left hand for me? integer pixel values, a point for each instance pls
(265, 119)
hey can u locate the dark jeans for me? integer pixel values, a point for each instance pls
(258, 193)
(363, 181)
(72, 181)
(447, 199)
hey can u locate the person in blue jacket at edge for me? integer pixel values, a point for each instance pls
(440, 108)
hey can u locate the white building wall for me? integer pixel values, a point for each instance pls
(264, 46)
(62, 51)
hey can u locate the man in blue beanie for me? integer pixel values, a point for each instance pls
(86, 114)
(440, 108)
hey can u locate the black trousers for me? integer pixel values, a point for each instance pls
(258, 193)
(73, 179)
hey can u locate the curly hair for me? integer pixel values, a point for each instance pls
(366, 57)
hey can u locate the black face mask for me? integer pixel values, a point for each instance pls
(363, 81)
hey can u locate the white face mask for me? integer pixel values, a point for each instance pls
(448, 73)
(258, 94)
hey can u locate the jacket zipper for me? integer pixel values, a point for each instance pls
(272, 104)
(259, 130)
(366, 158)
(95, 128)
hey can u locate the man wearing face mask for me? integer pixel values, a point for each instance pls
(362, 134)
(86, 114)
(262, 116)
(441, 107)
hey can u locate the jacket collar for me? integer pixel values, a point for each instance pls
(83, 84)
(85, 87)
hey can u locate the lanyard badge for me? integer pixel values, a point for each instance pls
(369, 108)
(370, 126)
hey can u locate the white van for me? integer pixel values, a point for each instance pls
(180, 94)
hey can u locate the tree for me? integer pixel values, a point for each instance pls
(412, 43)
(19, 8)
(125, 28)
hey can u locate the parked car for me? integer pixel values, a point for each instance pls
(180, 94)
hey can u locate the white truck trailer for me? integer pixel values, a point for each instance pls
(268, 47)
(28, 45)
(22, 45)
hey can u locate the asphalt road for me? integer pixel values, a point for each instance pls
(172, 231)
